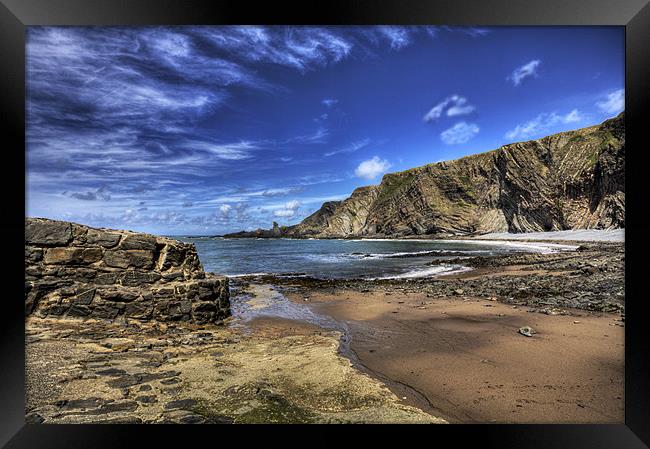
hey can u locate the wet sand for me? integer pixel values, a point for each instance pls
(465, 358)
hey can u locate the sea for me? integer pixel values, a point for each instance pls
(351, 259)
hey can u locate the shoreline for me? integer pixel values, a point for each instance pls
(590, 278)
(423, 337)
(564, 236)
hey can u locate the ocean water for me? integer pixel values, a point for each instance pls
(371, 259)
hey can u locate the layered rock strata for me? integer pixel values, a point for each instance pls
(569, 180)
(77, 271)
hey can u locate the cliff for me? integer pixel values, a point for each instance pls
(570, 180)
(75, 270)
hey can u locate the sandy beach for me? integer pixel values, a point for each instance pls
(467, 359)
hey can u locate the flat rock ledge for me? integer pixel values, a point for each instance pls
(73, 270)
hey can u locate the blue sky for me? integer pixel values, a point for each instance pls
(205, 130)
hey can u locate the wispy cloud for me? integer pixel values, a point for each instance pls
(351, 148)
(318, 136)
(468, 30)
(543, 124)
(329, 102)
(231, 151)
(371, 168)
(475, 31)
(614, 103)
(527, 70)
(398, 37)
(454, 105)
(272, 192)
(323, 178)
(461, 132)
(301, 48)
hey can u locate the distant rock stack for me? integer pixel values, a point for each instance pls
(276, 230)
(77, 271)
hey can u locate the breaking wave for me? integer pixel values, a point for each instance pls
(427, 272)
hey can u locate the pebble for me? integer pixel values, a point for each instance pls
(527, 331)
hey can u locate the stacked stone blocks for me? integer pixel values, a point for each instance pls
(77, 271)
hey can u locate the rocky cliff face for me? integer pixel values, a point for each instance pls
(74, 270)
(570, 180)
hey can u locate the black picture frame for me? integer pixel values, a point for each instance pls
(15, 15)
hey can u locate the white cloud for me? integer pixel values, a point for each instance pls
(329, 102)
(571, 117)
(454, 105)
(523, 72)
(461, 132)
(292, 205)
(225, 208)
(371, 168)
(543, 123)
(614, 103)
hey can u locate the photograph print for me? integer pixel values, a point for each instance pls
(325, 224)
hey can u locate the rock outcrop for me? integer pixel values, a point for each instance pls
(74, 270)
(570, 180)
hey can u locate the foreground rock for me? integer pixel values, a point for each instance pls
(96, 371)
(77, 271)
(570, 180)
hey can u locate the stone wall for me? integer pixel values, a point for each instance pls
(77, 271)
